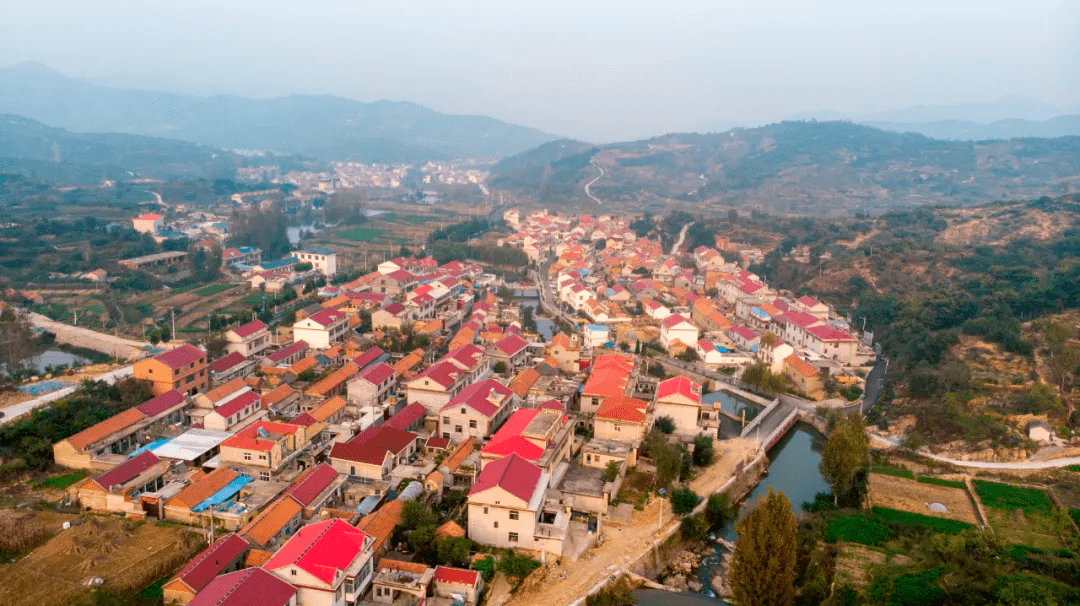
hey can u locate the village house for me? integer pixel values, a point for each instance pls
(806, 378)
(229, 367)
(566, 351)
(677, 328)
(541, 436)
(264, 449)
(182, 369)
(394, 315)
(507, 508)
(288, 355)
(610, 374)
(395, 579)
(477, 411)
(373, 453)
(121, 488)
(244, 588)
(322, 260)
(330, 563)
(222, 556)
(680, 399)
(249, 340)
(511, 350)
(372, 386)
(322, 328)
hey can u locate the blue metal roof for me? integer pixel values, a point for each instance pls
(318, 250)
(286, 262)
(369, 503)
(152, 445)
(229, 491)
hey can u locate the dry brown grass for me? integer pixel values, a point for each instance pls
(854, 562)
(124, 554)
(910, 495)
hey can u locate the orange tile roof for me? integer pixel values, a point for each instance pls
(257, 557)
(328, 408)
(202, 487)
(622, 407)
(337, 302)
(333, 380)
(225, 389)
(380, 524)
(408, 362)
(306, 363)
(460, 453)
(277, 395)
(413, 567)
(109, 426)
(450, 529)
(270, 522)
(800, 366)
(524, 381)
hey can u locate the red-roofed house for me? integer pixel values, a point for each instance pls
(372, 386)
(250, 339)
(410, 418)
(511, 350)
(321, 486)
(234, 411)
(609, 375)
(506, 508)
(831, 343)
(436, 385)
(680, 399)
(231, 366)
(246, 587)
(322, 328)
(476, 411)
(223, 556)
(328, 562)
(745, 338)
(150, 223)
(288, 355)
(120, 488)
(394, 315)
(451, 582)
(806, 377)
(182, 369)
(677, 327)
(262, 450)
(374, 452)
(541, 436)
(621, 418)
(813, 307)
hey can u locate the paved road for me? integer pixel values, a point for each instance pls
(1047, 464)
(547, 297)
(17, 410)
(590, 183)
(682, 237)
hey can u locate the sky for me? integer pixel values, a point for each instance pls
(599, 71)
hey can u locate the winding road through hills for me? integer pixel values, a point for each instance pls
(590, 183)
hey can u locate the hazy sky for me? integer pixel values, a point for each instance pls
(595, 70)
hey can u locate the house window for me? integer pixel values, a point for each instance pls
(457, 428)
(588, 458)
(264, 476)
(472, 424)
(513, 537)
(485, 511)
(292, 572)
(513, 515)
(496, 524)
(462, 411)
(446, 420)
(247, 456)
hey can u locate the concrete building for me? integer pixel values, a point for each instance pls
(248, 340)
(507, 508)
(182, 369)
(322, 329)
(477, 411)
(329, 563)
(150, 223)
(322, 260)
(680, 399)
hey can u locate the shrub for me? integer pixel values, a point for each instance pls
(665, 424)
(703, 451)
(515, 566)
(683, 500)
(486, 566)
(693, 528)
(718, 509)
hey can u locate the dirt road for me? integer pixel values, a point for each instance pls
(624, 545)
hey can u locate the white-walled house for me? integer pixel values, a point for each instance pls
(330, 563)
(507, 508)
(249, 339)
(323, 260)
(322, 329)
(680, 399)
(675, 327)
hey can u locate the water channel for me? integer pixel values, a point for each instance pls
(793, 469)
(55, 357)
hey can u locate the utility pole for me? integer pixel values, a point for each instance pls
(172, 316)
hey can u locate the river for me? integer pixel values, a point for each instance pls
(793, 469)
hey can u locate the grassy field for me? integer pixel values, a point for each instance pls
(897, 472)
(58, 482)
(903, 494)
(941, 482)
(361, 234)
(213, 289)
(855, 529)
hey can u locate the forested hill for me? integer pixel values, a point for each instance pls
(812, 168)
(55, 154)
(320, 126)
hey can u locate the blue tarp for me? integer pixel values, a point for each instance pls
(369, 504)
(152, 445)
(229, 491)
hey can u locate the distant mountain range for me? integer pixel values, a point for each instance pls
(826, 168)
(323, 127)
(59, 155)
(966, 130)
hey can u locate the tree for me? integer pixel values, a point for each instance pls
(611, 471)
(265, 229)
(16, 339)
(693, 528)
(683, 500)
(703, 450)
(718, 509)
(845, 455)
(763, 567)
(667, 457)
(665, 424)
(499, 367)
(454, 551)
